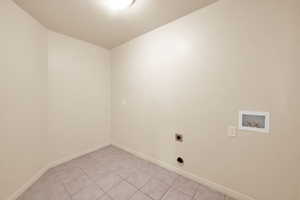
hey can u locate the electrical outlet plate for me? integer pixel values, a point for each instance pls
(232, 131)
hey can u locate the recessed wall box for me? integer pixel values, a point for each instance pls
(254, 121)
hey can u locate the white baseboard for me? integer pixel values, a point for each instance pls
(76, 155)
(28, 184)
(40, 173)
(217, 187)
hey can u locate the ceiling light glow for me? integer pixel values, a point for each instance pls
(118, 5)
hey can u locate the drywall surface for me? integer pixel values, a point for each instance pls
(23, 82)
(51, 109)
(193, 76)
(295, 89)
(79, 95)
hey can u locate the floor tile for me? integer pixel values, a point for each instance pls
(94, 169)
(176, 195)
(123, 191)
(121, 175)
(68, 174)
(186, 186)
(114, 166)
(204, 193)
(148, 168)
(105, 197)
(108, 181)
(46, 192)
(140, 196)
(90, 193)
(166, 176)
(58, 193)
(33, 195)
(126, 172)
(138, 179)
(155, 189)
(75, 185)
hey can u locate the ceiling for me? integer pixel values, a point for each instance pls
(91, 21)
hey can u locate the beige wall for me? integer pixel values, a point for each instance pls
(295, 82)
(23, 82)
(295, 90)
(193, 76)
(46, 116)
(79, 95)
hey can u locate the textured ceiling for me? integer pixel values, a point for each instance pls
(91, 21)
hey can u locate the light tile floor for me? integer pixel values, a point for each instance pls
(113, 174)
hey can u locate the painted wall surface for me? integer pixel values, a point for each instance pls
(295, 88)
(23, 82)
(79, 95)
(193, 76)
(49, 108)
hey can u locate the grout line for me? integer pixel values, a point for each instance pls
(169, 188)
(153, 177)
(196, 191)
(92, 180)
(68, 193)
(140, 189)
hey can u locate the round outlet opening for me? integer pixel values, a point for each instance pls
(180, 160)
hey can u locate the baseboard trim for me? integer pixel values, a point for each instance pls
(220, 188)
(28, 184)
(76, 155)
(41, 172)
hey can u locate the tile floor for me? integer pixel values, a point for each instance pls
(113, 174)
